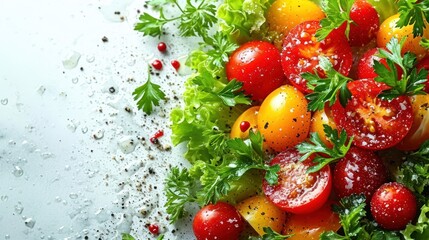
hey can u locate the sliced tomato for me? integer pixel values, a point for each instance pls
(366, 64)
(310, 226)
(301, 53)
(375, 123)
(298, 191)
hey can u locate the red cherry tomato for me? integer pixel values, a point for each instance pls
(301, 53)
(257, 65)
(375, 123)
(220, 221)
(298, 191)
(366, 64)
(366, 23)
(393, 206)
(359, 172)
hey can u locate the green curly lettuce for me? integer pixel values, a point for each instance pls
(420, 230)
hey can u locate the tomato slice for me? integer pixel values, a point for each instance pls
(301, 53)
(375, 123)
(298, 191)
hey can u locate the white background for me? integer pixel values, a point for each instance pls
(58, 180)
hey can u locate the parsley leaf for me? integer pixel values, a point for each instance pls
(179, 188)
(419, 230)
(126, 236)
(221, 47)
(410, 83)
(337, 12)
(270, 234)
(317, 146)
(147, 95)
(413, 12)
(150, 25)
(326, 89)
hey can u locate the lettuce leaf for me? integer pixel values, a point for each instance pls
(385, 8)
(419, 231)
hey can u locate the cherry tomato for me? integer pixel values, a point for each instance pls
(283, 15)
(301, 53)
(298, 191)
(419, 131)
(260, 213)
(219, 221)
(375, 123)
(424, 64)
(366, 64)
(310, 226)
(393, 206)
(320, 118)
(257, 65)
(283, 118)
(359, 172)
(388, 29)
(366, 23)
(249, 116)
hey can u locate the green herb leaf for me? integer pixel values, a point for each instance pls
(180, 189)
(411, 82)
(413, 12)
(231, 96)
(419, 230)
(126, 236)
(270, 234)
(325, 89)
(424, 43)
(220, 49)
(196, 20)
(148, 95)
(150, 25)
(337, 12)
(324, 154)
(159, 3)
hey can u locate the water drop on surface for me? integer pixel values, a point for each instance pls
(127, 144)
(4, 101)
(131, 63)
(99, 134)
(41, 90)
(84, 130)
(73, 195)
(4, 198)
(19, 208)
(17, 171)
(71, 60)
(90, 58)
(7, 236)
(29, 222)
(75, 80)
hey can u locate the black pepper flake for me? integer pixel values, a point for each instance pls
(104, 39)
(112, 90)
(117, 12)
(266, 125)
(151, 171)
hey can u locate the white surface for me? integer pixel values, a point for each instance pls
(53, 172)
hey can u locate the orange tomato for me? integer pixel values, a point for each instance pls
(260, 213)
(310, 226)
(283, 119)
(319, 119)
(388, 29)
(249, 116)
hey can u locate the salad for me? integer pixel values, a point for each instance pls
(302, 119)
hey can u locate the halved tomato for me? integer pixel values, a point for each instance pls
(297, 191)
(301, 52)
(375, 123)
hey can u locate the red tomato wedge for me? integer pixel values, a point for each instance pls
(375, 123)
(301, 53)
(298, 191)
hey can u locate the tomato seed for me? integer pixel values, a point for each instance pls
(162, 47)
(157, 64)
(154, 229)
(244, 126)
(175, 64)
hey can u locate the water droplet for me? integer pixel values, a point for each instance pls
(29, 222)
(84, 130)
(41, 90)
(183, 70)
(127, 144)
(87, 202)
(7, 236)
(58, 199)
(99, 134)
(73, 195)
(12, 143)
(46, 155)
(67, 167)
(65, 202)
(71, 59)
(4, 101)
(17, 171)
(131, 63)
(90, 58)
(19, 208)
(75, 80)
(4, 198)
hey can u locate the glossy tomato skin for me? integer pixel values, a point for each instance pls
(310, 226)
(249, 116)
(375, 123)
(259, 212)
(219, 221)
(283, 118)
(301, 51)
(366, 23)
(257, 65)
(393, 206)
(359, 172)
(320, 118)
(366, 64)
(297, 191)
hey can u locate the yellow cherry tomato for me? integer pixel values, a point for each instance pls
(388, 29)
(283, 15)
(283, 119)
(260, 213)
(246, 122)
(318, 119)
(419, 131)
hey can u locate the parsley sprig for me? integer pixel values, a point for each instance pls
(148, 95)
(337, 12)
(411, 81)
(270, 234)
(194, 20)
(413, 12)
(341, 145)
(326, 89)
